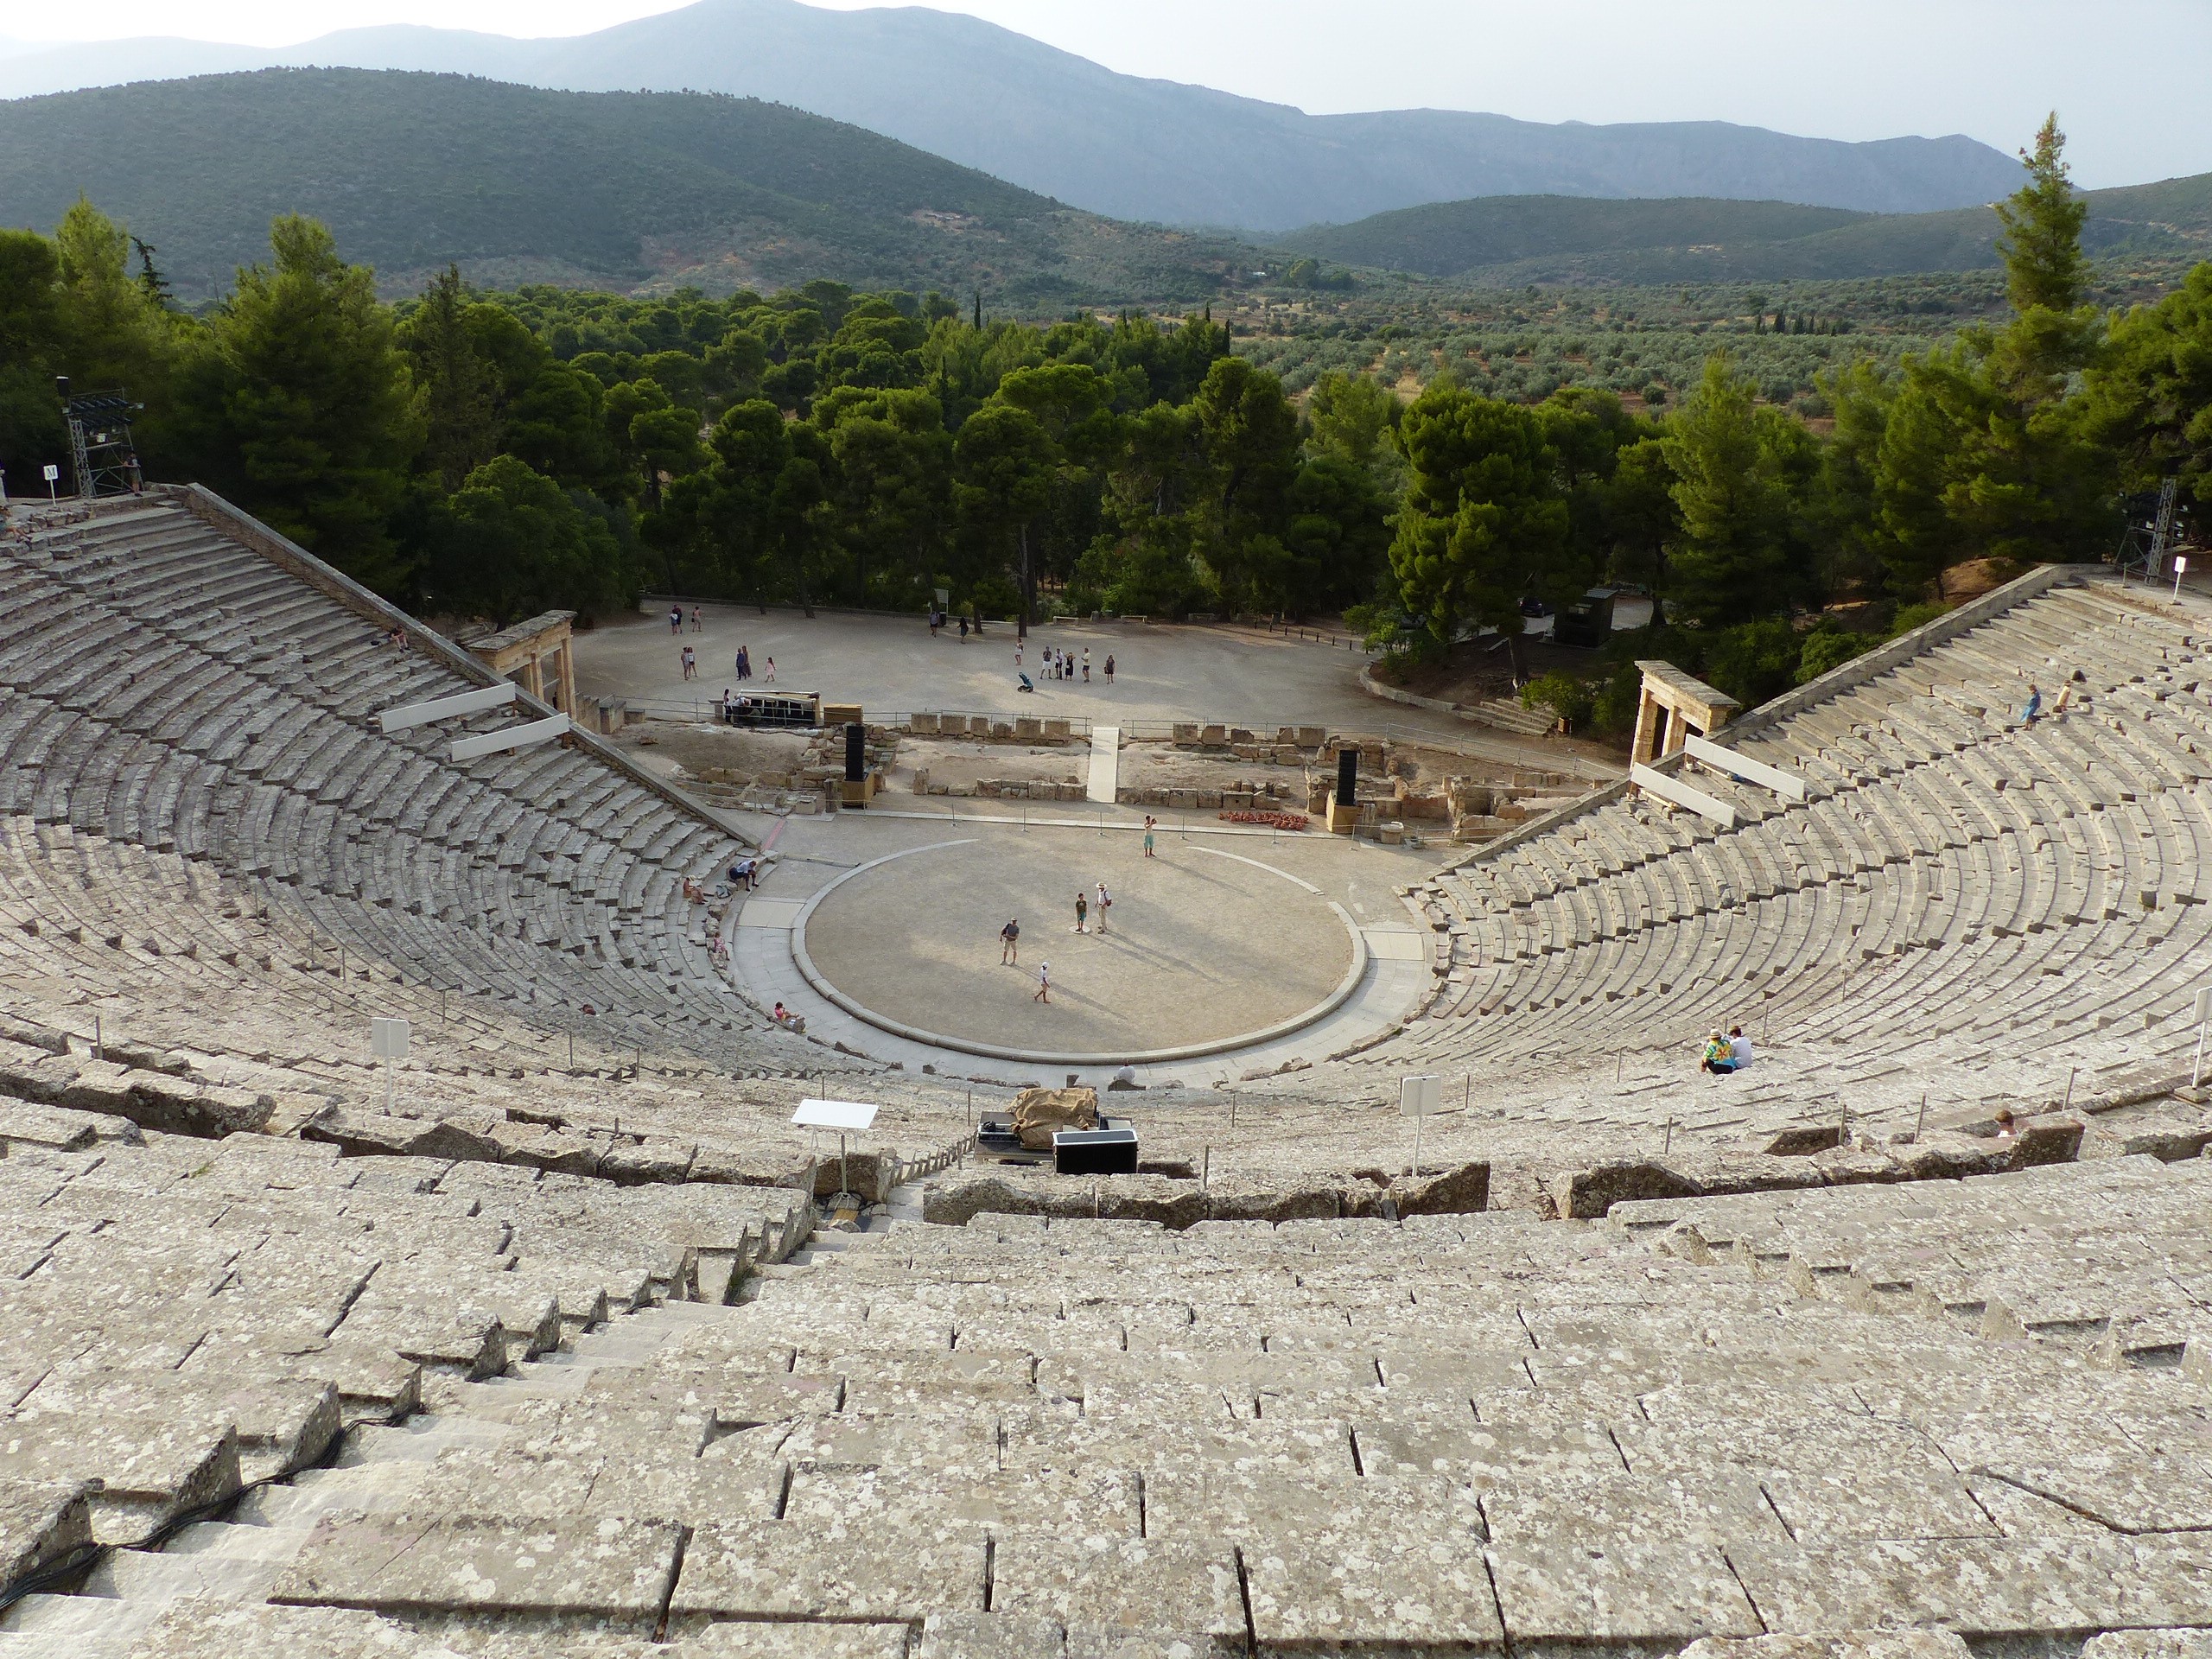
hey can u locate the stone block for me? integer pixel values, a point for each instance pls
(1028, 728)
(774, 1570)
(1411, 1587)
(1121, 1585)
(923, 725)
(1245, 1198)
(1871, 1644)
(1187, 733)
(1587, 1194)
(747, 1639)
(1462, 1190)
(2051, 1138)
(989, 1636)
(1976, 1586)
(607, 1567)
(1058, 730)
(1803, 1139)
(42, 1525)
(1213, 737)
(1312, 737)
(1603, 1592)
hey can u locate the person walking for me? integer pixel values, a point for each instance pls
(675, 618)
(1010, 943)
(1082, 911)
(2035, 705)
(963, 630)
(770, 674)
(1150, 823)
(1044, 982)
(690, 660)
(697, 626)
(1105, 904)
(1086, 665)
(1109, 668)
(744, 665)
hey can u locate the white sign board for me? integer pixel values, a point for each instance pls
(388, 1039)
(1420, 1094)
(834, 1115)
(2204, 1005)
(52, 472)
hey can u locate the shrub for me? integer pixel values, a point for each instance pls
(1561, 693)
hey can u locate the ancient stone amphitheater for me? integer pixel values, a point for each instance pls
(530, 1345)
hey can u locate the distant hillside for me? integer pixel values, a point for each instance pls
(1566, 239)
(517, 184)
(1071, 129)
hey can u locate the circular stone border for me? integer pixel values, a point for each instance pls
(1328, 1004)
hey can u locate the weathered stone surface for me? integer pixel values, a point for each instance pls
(1944, 1155)
(1587, 1194)
(1037, 1113)
(25, 1124)
(1406, 1586)
(1843, 1644)
(774, 1570)
(469, 1137)
(2051, 1139)
(1462, 1190)
(1805, 1138)
(2148, 1644)
(1844, 1505)
(1123, 1585)
(746, 1639)
(1976, 1586)
(610, 1566)
(1602, 1591)
(150, 1467)
(989, 1636)
(41, 1525)
(1716, 1508)
(1249, 1198)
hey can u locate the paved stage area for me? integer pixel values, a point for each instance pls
(1204, 944)
(1196, 945)
(892, 665)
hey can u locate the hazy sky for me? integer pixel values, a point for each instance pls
(2126, 75)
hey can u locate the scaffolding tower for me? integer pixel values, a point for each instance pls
(99, 443)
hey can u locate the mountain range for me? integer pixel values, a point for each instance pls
(1061, 126)
(1510, 240)
(612, 190)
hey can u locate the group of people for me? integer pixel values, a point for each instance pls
(745, 665)
(1086, 913)
(1058, 665)
(1723, 1055)
(676, 620)
(940, 622)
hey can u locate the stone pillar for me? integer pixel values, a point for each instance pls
(568, 681)
(1648, 716)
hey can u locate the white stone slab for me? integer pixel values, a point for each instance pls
(409, 715)
(509, 737)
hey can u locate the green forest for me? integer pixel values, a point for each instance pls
(484, 453)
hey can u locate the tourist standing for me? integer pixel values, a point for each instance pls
(963, 630)
(697, 626)
(1086, 665)
(691, 663)
(1044, 982)
(1010, 943)
(1081, 911)
(1105, 904)
(675, 618)
(770, 674)
(744, 665)
(1148, 826)
(1109, 668)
